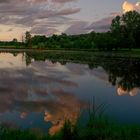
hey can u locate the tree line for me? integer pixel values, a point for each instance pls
(124, 33)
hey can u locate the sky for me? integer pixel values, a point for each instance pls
(48, 17)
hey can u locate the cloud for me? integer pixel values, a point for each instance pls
(63, 1)
(68, 11)
(127, 6)
(36, 13)
(43, 30)
(102, 25)
(9, 30)
(52, 16)
(79, 27)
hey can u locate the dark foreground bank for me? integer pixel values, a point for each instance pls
(97, 128)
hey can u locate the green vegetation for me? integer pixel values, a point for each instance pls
(124, 34)
(28, 39)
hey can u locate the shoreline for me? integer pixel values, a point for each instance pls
(119, 53)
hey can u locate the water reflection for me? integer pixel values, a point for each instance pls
(132, 92)
(7, 60)
(123, 72)
(38, 88)
(51, 84)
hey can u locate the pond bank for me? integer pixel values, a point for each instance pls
(96, 129)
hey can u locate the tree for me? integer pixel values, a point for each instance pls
(28, 39)
(116, 25)
(15, 40)
(126, 28)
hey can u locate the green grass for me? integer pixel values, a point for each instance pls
(101, 129)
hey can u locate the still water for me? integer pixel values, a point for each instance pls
(41, 90)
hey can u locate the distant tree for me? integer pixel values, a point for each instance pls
(15, 40)
(28, 39)
(39, 41)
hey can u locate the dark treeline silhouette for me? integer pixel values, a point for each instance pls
(124, 33)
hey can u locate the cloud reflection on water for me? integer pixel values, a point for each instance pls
(48, 87)
(39, 88)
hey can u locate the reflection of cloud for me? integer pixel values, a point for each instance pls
(67, 107)
(100, 73)
(27, 84)
(5, 61)
(63, 106)
(23, 115)
(133, 92)
(121, 91)
(39, 88)
(77, 68)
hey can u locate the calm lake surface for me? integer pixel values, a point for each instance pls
(41, 90)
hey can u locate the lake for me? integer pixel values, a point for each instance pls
(39, 90)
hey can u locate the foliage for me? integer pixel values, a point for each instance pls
(126, 29)
(124, 33)
(28, 39)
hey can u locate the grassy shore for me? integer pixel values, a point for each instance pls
(100, 130)
(96, 128)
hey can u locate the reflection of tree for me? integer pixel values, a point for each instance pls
(28, 59)
(122, 71)
(66, 56)
(125, 73)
